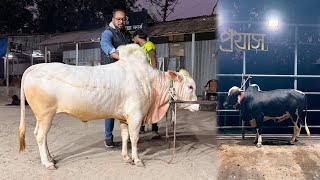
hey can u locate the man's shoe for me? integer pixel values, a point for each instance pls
(109, 143)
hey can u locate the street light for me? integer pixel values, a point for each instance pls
(273, 23)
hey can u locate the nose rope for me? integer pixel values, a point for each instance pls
(174, 123)
(244, 83)
(172, 92)
(173, 119)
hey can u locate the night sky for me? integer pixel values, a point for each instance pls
(186, 8)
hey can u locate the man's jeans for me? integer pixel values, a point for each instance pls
(108, 128)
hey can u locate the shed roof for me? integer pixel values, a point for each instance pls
(180, 26)
(184, 26)
(74, 37)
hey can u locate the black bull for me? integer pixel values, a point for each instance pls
(258, 106)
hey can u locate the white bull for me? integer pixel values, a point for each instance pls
(129, 90)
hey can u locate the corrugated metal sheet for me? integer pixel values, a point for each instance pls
(29, 42)
(204, 63)
(162, 50)
(184, 26)
(73, 37)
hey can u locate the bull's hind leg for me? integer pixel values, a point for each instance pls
(296, 129)
(134, 127)
(35, 134)
(255, 141)
(125, 137)
(41, 132)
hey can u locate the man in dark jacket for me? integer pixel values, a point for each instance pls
(114, 35)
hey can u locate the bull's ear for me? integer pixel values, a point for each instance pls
(173, 75)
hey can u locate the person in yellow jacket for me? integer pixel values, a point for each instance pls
(140, 38)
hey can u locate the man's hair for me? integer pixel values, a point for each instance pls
(117, 10)
(141, 34)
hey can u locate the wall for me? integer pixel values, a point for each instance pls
(86, 56)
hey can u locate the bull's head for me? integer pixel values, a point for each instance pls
(234, 97)
(184, 89)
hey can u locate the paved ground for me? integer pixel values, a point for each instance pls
(80, 153)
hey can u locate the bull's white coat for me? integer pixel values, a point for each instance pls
(129, 90)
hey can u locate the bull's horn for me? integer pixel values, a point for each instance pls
(184, 73)
(233, 89)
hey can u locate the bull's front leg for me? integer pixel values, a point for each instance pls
(259, 131)
(134, 127)
(125, 137)
(253, 123)
(259, 142)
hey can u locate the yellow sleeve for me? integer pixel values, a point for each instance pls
(150, 46)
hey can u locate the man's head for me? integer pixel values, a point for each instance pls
(139, 36)
(119, 18)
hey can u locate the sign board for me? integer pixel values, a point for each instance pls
(3, 46)
(15, 47)
(244, 41)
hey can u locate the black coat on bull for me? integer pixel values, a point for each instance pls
(258, 106)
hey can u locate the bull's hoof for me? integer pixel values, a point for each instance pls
(258, 145)
(51, 167)
(296, 140)
(139, 163)
(128, 160)
(254, 142)
(291, 142)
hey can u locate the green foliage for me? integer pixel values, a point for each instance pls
(15, 17)
(25, 16)
(73, 15)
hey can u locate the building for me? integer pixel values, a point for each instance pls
(185, 43)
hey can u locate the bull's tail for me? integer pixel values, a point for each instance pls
(305, 117)
(22, 126)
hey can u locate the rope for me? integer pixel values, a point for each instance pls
(174, 119)
(243, 84)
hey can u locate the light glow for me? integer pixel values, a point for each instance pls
(273, 23)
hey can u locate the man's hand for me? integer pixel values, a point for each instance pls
(115, 55)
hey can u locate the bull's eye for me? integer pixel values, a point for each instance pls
(191, 87)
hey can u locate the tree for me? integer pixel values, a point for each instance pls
(15, 16)
(72, 15)
(164, 7)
